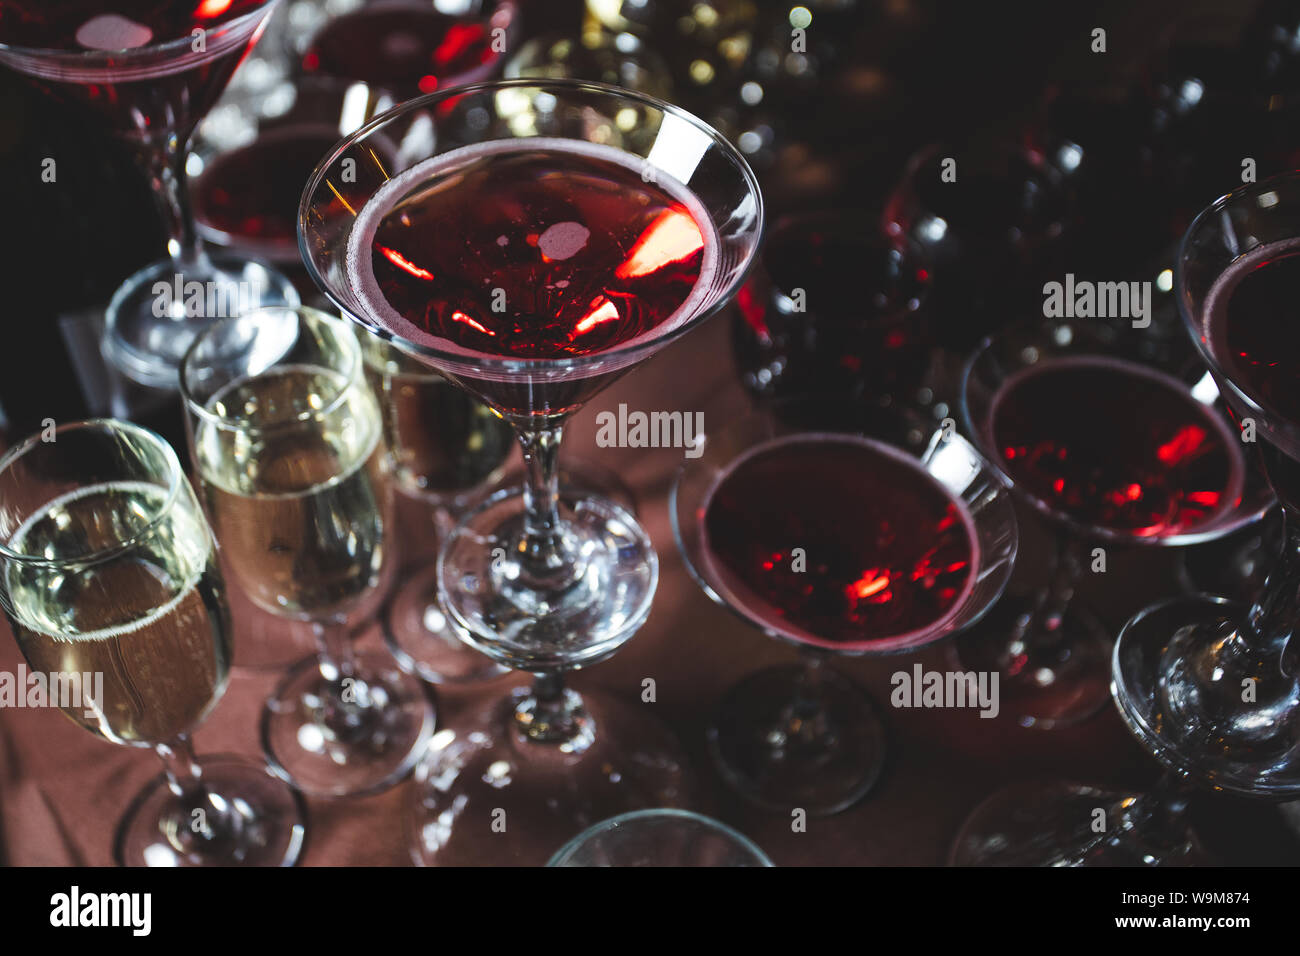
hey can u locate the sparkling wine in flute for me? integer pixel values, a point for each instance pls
(298, 489)
(560, 250)
(865, 545)
(154, 627)
(442, 440)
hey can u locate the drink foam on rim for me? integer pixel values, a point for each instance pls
(209, 475)
(119, 630)
(360, 264)
(795, 632)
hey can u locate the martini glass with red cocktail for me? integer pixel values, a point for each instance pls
(1112, 452)
(818, 523)
(592, 227)
(149, 71)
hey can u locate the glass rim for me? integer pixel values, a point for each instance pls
(560, 85)
(355, 373)
(1191, 321)
(891, 645)
(712, 824)
(112, 58)
(175, 476)
(1231, 521)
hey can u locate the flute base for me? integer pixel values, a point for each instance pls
(340, 739)
(1066, 824)
(486, 795)
(1046, 688)
(248, 818)
(157, 312)
(781, 749)
(425, 641)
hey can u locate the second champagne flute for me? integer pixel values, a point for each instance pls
(287, 444)
(447, 448)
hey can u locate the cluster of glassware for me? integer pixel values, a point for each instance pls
(640, 221)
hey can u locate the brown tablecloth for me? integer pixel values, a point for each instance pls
(62, 790)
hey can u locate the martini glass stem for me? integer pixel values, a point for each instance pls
(1043, 632)
(546, 557)
(197, 821)
(1273, 616)
(165, 160)
(551, 713)
(804, 723)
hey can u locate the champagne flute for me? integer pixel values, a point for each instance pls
(287, 442)
(446, 448)
(109, 578)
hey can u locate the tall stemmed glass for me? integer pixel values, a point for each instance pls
(151, 80)
(900, 548)
(1147, 461)
(288, 448)
(1213, 690)
(595, 227)
(447, 448)
(110, 580)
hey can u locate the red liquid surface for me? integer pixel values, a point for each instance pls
(1255, 329)
(585, 254)
(888, 551)
(252, 193)
(138, 94)
(405, 48)
(1116, 446)
(55, 24)
(1253, 332)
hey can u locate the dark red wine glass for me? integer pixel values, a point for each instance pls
(890, 568)
(413, 47)
(1213, 689)
(835, 308)
(1112, 452)
(246, 197)
(149, 82)
(990, 217)
(550, 178)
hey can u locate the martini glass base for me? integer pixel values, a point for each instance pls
(330, 748)
(425, 641)
(263, 824)
(485, 794)
(596, 608)
(1067, 824)
(782, 751)
(157, 312)
(1043, 689)
(1207, 702)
